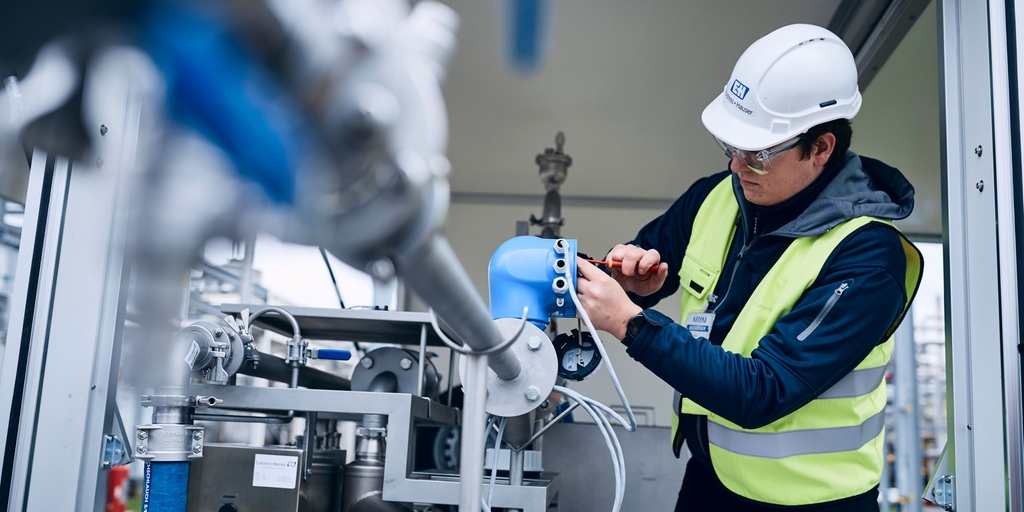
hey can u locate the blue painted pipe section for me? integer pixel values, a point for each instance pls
(215, 88)
(523, 273)
(165, 487)
(527, 32)
(333, 354)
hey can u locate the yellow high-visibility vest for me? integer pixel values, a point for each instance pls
(830, 448)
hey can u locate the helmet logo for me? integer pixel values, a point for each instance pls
(738, 89)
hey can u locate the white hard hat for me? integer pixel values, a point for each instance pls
(787, 82)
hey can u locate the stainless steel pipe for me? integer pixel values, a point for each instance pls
(436, 275)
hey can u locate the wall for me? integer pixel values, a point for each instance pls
(899, 122)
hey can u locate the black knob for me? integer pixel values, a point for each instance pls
(228, 507)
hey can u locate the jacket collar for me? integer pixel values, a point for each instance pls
(861, 187)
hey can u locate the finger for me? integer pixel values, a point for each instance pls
(630, 261)
(618, 252)
(662, 270)
(590, 272)
(649, 261)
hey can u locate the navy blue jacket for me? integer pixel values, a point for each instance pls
(782, 374)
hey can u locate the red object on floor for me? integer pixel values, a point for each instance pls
(117, 489)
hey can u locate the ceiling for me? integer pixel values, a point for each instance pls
(626, 82)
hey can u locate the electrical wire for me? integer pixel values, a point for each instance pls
(494, 462)
(462, 349)
(595, 408)
(323, 252)
(631, 424)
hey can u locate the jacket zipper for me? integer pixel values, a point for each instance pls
(829, 304)
(739, 257)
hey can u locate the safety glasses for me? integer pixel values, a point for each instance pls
(758, 161)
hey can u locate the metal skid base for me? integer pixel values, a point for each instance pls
(404, 412)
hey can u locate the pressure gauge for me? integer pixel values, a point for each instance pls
(578, 357)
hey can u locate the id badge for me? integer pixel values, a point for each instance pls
(699, 324)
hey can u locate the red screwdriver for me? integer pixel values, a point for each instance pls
(617, 264)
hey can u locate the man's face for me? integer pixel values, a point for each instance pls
(789, 173)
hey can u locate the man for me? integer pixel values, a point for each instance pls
(793, 279)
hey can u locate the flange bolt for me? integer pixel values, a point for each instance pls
(533, 393)
(534, 343)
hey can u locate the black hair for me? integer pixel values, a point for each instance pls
(843, 132)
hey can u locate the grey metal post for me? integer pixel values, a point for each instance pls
(245, 285)
(905, 415)
(883, 484)
(978, 243)
(473, 436)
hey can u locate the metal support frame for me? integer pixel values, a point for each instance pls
(905, 417)
(404, 410)
(983, 367)
(57, 389)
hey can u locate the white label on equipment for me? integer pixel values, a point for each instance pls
(193, 353)
(279, 471)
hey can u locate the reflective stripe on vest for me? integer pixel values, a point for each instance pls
(857, 383)
(829, 449)
(778, 445)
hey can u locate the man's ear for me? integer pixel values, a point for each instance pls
(823, 148)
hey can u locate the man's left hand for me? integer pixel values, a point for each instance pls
(604, 299)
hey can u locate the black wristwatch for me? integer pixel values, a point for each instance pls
(634, 327)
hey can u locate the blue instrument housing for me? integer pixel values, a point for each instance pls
(533, 272)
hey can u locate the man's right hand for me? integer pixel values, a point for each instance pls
(642, 271)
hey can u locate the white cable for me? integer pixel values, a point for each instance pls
(611, 441)
(494, 462)
(631, 424)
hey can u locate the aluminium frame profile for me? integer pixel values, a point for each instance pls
(980, 226)
(58, 388)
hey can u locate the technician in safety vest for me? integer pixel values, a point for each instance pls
(794, 280)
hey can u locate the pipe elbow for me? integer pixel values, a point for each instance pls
(532, 272)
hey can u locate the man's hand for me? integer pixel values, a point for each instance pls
(642, 272)
(605, 301)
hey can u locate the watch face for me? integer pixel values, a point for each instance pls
(634, 325)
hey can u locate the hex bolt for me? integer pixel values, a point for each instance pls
(218, 333)
(106, 464)
(140, 449)
(367, 363)
(142, 434)
(197, 435)
(197, 448)
(980, 185)
(110, 438)
(533, 393)
(977, 150)
(383, 269)
(103, 129)
(534, 343)
(405, 363)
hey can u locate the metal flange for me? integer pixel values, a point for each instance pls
(508, 398)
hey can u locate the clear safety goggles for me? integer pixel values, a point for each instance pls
(758, 161)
